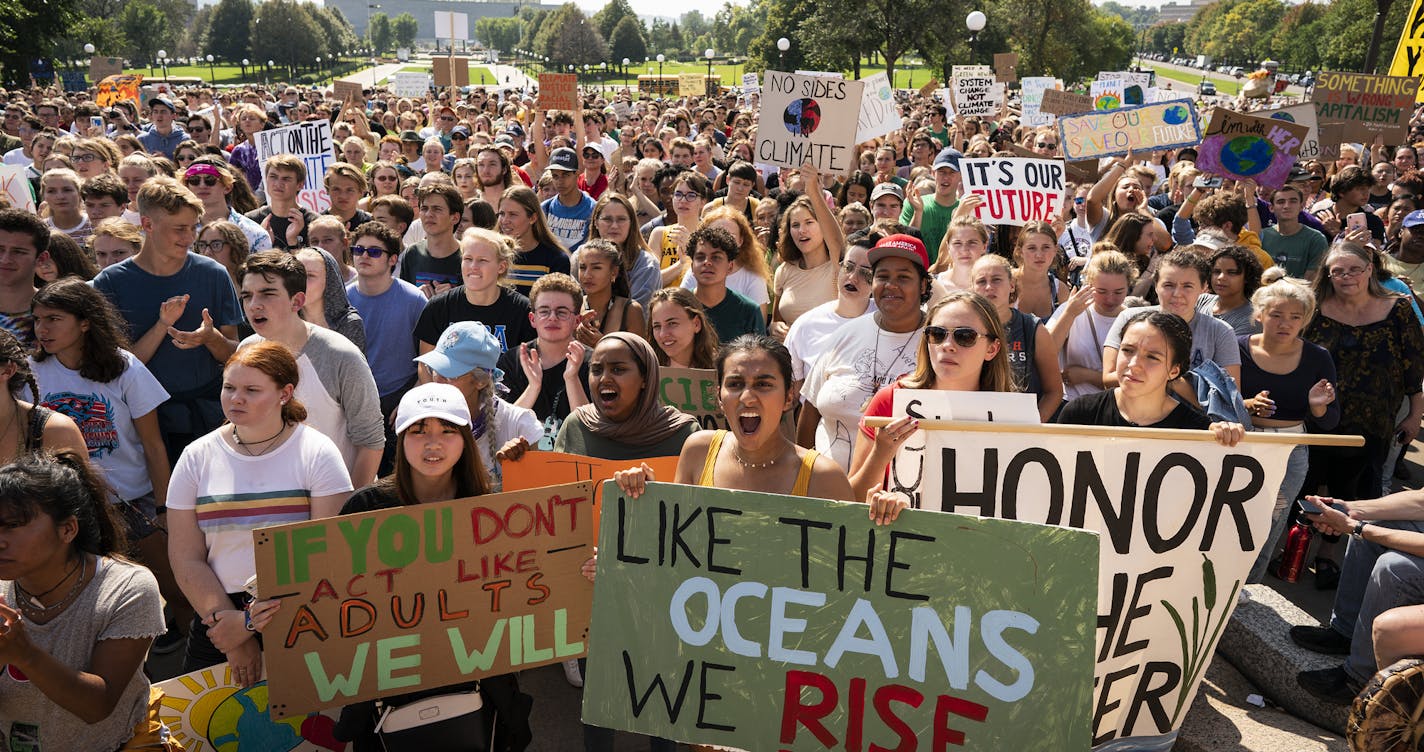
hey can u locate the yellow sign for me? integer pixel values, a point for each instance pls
(691, 85)
(1409, 55)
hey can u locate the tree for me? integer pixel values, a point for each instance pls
(138, 20)
(1140, 17)
(405, 28)
(1167, 37)
(379, 33)
(499, 33)
(694, 25)
(532, 26)
(735, 26)
(782, 20)
(571, 39)
(627, 41)
(836, 37)
(337, 35)
(1294, 43)
(227, 30)
(284, 31)
(608, 18)
(29, 29)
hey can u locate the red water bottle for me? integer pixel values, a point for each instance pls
(1297, 541)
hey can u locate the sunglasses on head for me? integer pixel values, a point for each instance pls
(964, 336)
(196, 180)
(361, 250)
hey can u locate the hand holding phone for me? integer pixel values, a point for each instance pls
(1207, 181)
(1356, 221)
(1312, 507)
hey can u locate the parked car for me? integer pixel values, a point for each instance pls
(1206, 89)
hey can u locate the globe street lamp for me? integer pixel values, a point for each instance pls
(782, 45)
(975, 23)
(212, 76)
(266, 79)
(661, 58)
(709, 54)
(163, 62)
(245, 63)
(625, 70)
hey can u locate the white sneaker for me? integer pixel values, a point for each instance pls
(572, 673)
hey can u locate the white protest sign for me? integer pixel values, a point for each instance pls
(971, 71)
(820, 74)
(15, 185)
(750, 85)
(809, 118)
(310, 141)
(1033, 88)
(451, 25)
(977, 96)
(410, 84)
(878, 113)
(1300, 114)
(1106, 95)
(1015, 190)
(1181, 523)
(1128, 78)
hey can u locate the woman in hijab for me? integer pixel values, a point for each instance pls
(624, 419)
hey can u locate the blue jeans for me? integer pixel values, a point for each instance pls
(1296, 467)
(1373, 580)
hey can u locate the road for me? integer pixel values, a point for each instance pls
(1219, 78)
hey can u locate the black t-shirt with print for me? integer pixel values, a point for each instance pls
(507, 317)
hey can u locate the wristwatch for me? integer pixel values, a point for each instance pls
(1359, 532)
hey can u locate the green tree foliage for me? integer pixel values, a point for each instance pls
(1140, 17)
(227, 37)
(1167, 38)
(499, 33)
(694, 25)
(782, 20)
(138, 20)
(1294, 43)
(337, 35)
(532, 26)
(627, 41)
(379, 33)
(1307, 36)
(571, 39)
(1242, 29)
(404, 28)
(30, 29)
(735, 26)
(285, 32)
(611, 14)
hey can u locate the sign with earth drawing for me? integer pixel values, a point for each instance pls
(1161, 125)
(1246, 147)
(809, 119)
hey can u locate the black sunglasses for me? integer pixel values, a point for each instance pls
(197, 180)
(361, 250)
(964, 336)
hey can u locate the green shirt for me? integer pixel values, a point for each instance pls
(575, 438)
(933, 222)
(1298, 253)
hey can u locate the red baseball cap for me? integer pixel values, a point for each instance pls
(901, 246)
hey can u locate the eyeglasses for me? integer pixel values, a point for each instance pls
(964, 336)
(1353, 271)
(85, 157)
(1046, 145)
(208, 247)
(680, 196)
(361, 250)
(865, 272)
(561, 314)
(197, 180)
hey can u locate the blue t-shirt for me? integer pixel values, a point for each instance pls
(192, 377)
(569, 223)
(390, 319)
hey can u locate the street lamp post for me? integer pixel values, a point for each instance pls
(245, 63)
(782, 45)
(661, 58)
(707, 84)
(212, 76)
(163, 62)
(267, 79)
(318, 67)
(975, 23)
(625, 71)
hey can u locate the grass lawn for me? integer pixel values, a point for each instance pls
(1224, 84)
(226, 74)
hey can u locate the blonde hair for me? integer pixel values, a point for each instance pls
(166, 195)
(945, 261)
(1110, 261)
(994, 259)
(996, 375)
(118, 229)
(751, 256)
(1284, 291)
(503, 245)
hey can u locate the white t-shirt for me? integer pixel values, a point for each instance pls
(807, 337)
(743, 280)
(1084, 347)
(234, 494)
(510, 421)
(16, 157)
(105, 414)
(855, 363)
(1212, 338)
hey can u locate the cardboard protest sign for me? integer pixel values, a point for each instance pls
(312, 142)
(750, 84)
(539, 469)
(1332, 135)
(1408, 57)
(1032, 91)
(693, 391)
(1250, 148)
(101, 68)
(930, 88)
(451, 71)
(120, 88)
(1076, 172)
(770, 622)
(1368, 105)
(558, 91)
(977, 96)
(206, 711)
(1059, 102)
(1181, 523)
(347, 91)
(1015, 191)
(15, 185)
(1107, 95)
(410, 84)
(879, 114)
(382, 602)
(818, 118)
(1165, 125)
(691, 85)
(1005, 65)
(1303, 115)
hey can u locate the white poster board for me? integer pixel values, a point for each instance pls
(1015, 190)
(879, 114)
(311, 141)
(1033, 88)
(410, 84)
(750, 85)
(16, 186)
(451, 25)
(979, 96)
(1300, 114)
(809, 119)
(1107, 95)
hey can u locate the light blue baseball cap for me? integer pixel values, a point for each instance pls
(463, 347)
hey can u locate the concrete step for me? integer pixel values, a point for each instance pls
(1257, 642)
(1221, 720)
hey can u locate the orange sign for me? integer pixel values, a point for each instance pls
(539, 469)
(558, 91)
(120, 88)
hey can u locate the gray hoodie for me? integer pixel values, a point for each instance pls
(341, 316)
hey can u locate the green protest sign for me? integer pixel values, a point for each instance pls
(772, 622)
(391, 601)
(693, 391)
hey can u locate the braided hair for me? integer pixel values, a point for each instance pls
(12, 352)
(62, 485)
